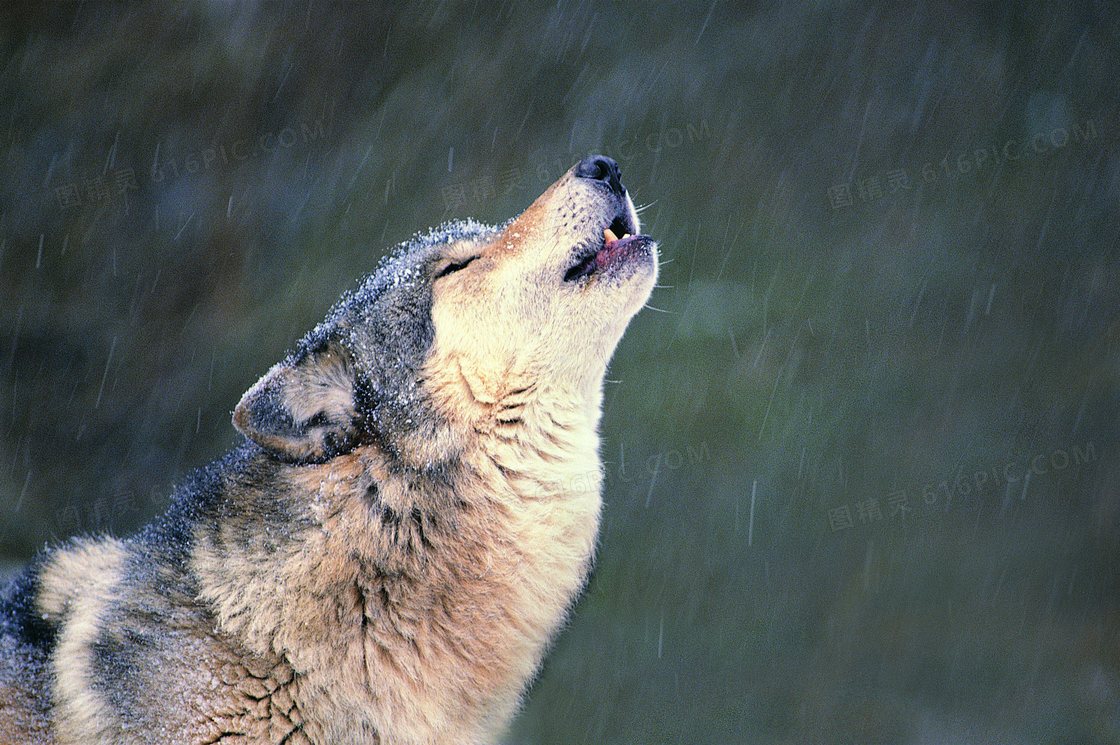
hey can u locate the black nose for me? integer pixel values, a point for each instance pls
(601, 168)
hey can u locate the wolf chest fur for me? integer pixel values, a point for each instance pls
(387, 555)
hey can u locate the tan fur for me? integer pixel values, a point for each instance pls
(518, 562)
(338, 582)
(75, 589)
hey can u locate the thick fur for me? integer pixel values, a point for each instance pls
(388, 554)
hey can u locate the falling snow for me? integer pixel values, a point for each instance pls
(862, 480)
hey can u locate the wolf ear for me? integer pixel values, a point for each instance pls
(304, 410)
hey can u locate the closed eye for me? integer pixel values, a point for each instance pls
(455, 266)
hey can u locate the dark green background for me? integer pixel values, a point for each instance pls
(863, 478)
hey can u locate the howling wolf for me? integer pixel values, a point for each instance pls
(387, 555)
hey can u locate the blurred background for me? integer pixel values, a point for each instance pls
(863, 475)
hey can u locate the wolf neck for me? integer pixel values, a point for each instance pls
(474, 563)
(539, 431)
(545, 443)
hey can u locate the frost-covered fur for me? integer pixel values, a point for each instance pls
(388, 554)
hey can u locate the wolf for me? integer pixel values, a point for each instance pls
(388, 553)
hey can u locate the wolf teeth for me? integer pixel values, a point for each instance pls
(610, 237)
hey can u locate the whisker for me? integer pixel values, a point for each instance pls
(659, 310)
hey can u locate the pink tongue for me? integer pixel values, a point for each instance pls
(612, 248)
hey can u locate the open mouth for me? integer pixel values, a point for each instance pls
(617, 247)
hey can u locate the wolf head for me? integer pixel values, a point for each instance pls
(459, 322)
